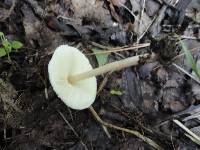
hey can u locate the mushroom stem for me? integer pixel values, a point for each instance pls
(114, 66)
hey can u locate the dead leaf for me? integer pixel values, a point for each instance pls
(117, 3)
(94, 11)
(12, 111)
(146, 69)
(114, 14)
(34, 29)
(152, 7)
(132, 97)
(196, 91)
(141, 24)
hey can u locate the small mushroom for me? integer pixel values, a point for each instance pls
(73, 78)
(67, 61)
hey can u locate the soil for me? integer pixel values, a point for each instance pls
(147, 97)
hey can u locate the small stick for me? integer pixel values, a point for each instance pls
(114, 66)
(187, 130)
(122, 49)
(136, 133)
(70, 126)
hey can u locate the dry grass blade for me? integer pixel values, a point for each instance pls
(122, 49)
(70, 126)
(136, 133)
(184, 71)
(192, 134)
(141, 15)
(142, 35)
(103, 83)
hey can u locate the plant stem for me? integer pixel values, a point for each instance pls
(114, 66)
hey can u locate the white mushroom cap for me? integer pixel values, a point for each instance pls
(67, 61)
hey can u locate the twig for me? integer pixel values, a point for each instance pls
(67, 122)
(103, 47)
(99, 45)
(136, 133)
(106, 131)
(122, 49)
(70, 126)
(103, 83)
(142, 35)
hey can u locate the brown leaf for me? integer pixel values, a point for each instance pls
(117, 3)
(141, 23)
(92, 10)
(114, 14)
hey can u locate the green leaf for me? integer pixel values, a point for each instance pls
(101, 58)
(189, 56)
(2, 52)
(198, 72)
(190, 59)
(7, 45)
(116, 92)
(1, 34)
(16, 45)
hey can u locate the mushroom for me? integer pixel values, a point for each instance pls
(67, 61)
(73, 78)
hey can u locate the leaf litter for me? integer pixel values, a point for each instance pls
(143, 98)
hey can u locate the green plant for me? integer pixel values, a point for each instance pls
(8, 47)
(102, 59)
(116, 92)
(190, 59)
